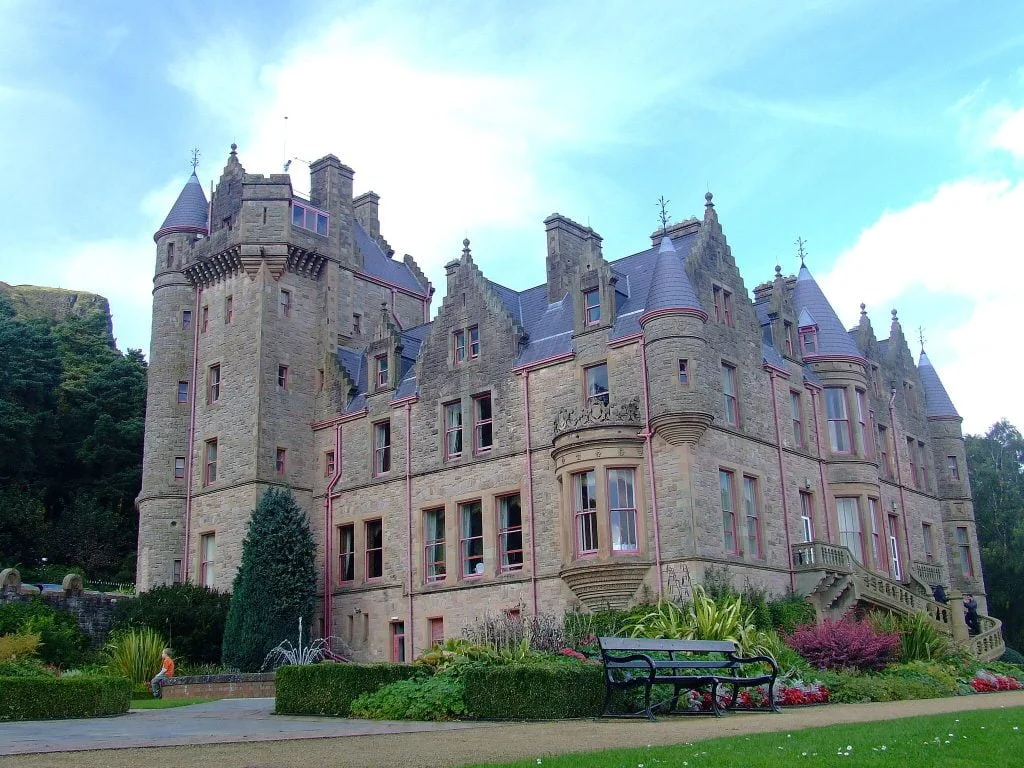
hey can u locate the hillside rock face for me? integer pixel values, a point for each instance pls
(33, 301)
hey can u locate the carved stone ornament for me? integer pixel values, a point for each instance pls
(597, 414)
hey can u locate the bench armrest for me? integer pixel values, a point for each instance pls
(612, 662)
(752, 659)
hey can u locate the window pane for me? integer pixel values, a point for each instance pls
(298, 216)
(321, 224)
(597, 383)
(585, 502)
(849, 527)
(510, 532)
(472, 533)
(622, 508)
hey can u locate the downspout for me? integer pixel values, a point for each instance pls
(899, 481)
(408, 513)
(192, 429)
(782, 485)
(529, 492)
(650, 472)
(328, 535)
(821, 465)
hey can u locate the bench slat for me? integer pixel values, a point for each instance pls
(648, 644)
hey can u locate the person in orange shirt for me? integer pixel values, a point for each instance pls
(166, 671)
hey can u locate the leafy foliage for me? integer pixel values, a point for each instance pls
(920, 639)
(995, 464)
(330, 689)
(135, 654)
(190, 616)
(16, 646)
(275, 584)
(61, 642)
(71, 426)
(436, 697)
(844, 645)
(42, 698)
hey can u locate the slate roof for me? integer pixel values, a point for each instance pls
(936, 399)
(670, 286)
(190, 212)
(379, 264)
(810, 302)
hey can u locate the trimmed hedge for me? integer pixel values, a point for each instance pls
(49, 698)
(330, 689)
(534, 691)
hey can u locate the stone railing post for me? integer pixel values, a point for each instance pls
(956, 617)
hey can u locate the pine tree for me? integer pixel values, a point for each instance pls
(275, 585)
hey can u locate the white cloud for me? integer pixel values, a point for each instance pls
(1010, 135)
(960, 247)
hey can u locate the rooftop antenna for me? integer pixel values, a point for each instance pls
(284, 146)
(801, 251)
(195, 159)
(663, 213)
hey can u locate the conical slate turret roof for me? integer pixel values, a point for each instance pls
(189, 212)
(832, 336)
(936, 399)
(670, 285)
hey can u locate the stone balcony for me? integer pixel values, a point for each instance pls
(625, 415)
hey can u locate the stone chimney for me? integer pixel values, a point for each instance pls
(366, 207)
(572, 249)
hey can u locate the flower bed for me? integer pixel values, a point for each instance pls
(989, 682)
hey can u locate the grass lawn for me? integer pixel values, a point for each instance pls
(152, 703)
(987, 738)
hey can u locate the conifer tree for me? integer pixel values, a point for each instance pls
(275, 585)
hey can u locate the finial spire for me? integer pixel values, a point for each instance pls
(234, 148)
(663, 214)
(707, 200)
(920, 336)
(195, 159)
(465, 249)
(801, 251)
(863, 309)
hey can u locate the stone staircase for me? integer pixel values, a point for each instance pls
(835, 582)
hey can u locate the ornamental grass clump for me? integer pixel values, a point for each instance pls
(844, 644)
(135, 654)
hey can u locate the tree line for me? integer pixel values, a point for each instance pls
(72, 416)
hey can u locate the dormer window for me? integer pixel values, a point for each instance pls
(592, 306)
(382, 371)
(307, 217)
(809, 340)
(723, 306)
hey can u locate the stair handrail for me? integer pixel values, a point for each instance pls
(988, 644)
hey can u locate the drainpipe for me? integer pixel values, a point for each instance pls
(899, 481)
(821, 465)
(411, 635)
(329, 537)
(782, 485)
(192, 430)
(529, 492)
(650, 473)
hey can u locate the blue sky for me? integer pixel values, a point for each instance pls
(889, 135)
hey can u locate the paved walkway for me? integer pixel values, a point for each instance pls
(241, 733)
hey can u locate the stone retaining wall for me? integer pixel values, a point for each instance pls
(231, 686)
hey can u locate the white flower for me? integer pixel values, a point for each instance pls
(802, 753)
(883, 747)
(848, 747)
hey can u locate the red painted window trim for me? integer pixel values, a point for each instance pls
(603, 397)
(430, 550)
(731, 402)
(213, 380)
(434, 624)
(464, 541)
(840, 422)
(179, 467)
(590, 513)
(183, 393)
(368, 550)
(346, 556)
(592, 310)
(381, 447)
(282, 377)
(381, 370)
(758, 552)
(728, 510)
(459, 346)
(398, 646)
(286, 302)
(453, 433)
(210, 462)
(963, 544)
(474, 342)
(205, 322)
(281, 460)
(479, 423)
(631, 510)
(504, 533)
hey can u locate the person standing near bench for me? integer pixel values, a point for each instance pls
(166, 672)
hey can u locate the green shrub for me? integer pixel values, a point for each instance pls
(18, 646)
(25, 668)
(790, 612)
(534, 691)
(855, 687)
(62, 643)
(1012, 656)
(330, 689)
(921, 680)
(190, 616)
(135, 654)
(42, 698)
(437, 697)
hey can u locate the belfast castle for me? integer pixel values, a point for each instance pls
(631, 421)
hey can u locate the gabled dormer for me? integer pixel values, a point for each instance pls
(383, 354)
(822, 334)
(808, 332)
(902, 371)
(777, 316)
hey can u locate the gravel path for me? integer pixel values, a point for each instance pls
(465, 743)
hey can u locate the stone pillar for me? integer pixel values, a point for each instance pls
(956, 617)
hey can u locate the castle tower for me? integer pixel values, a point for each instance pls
(953, 484)
(171, 391)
